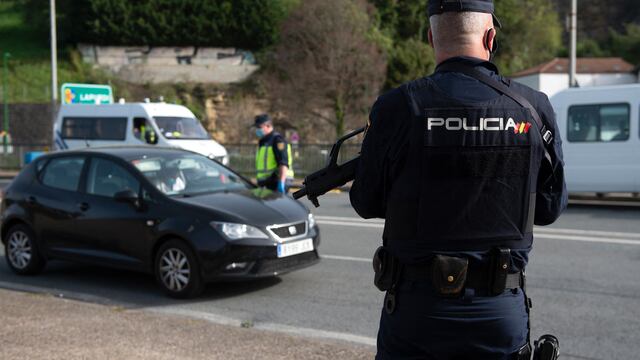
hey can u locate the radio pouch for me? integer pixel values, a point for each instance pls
(385, 267)
(449, 275)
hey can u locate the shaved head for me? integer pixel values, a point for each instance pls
(460, 33)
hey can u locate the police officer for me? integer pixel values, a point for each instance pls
(274, 168)
(460, 171)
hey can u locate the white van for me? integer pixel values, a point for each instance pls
(152, 124)
(600, 129)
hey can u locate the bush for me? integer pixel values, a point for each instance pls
(248, 24)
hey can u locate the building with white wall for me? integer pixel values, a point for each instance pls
(553, 76)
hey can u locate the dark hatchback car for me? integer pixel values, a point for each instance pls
(178, 215)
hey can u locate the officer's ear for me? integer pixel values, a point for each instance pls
(430, 37)
(489, 40)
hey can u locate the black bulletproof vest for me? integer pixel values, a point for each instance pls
(475, 167)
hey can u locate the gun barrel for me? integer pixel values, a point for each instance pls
(300, 193)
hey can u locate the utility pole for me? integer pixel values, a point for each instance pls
(5, 99)
(573, 29)
(54, 56)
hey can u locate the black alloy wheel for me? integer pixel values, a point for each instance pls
(177, 270)
(21, 251)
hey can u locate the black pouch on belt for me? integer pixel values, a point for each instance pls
(386, 267)
(499, 269)
(449, 275)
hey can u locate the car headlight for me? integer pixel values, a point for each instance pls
(238, 231)
(311, 220)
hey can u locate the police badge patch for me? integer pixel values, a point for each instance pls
(280, 146)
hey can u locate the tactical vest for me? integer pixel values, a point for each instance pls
(266, 163)
(475, 169)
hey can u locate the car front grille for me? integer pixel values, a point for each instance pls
(272, 266)
(289, 231)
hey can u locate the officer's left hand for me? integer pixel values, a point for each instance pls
(281, 187)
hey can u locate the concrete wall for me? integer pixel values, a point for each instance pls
(143, 64)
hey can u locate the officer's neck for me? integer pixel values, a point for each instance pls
(481, 54)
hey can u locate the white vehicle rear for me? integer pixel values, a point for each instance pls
(600, 129)
(152, 124)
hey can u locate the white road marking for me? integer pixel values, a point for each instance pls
(349, 223)
(345, 258)
(590, 236)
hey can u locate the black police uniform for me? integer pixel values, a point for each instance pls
(280, 152)
(456, 168)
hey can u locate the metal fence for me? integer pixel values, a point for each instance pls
(13, 156)
(306, 158)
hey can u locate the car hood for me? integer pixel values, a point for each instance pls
(203, 147)
(261, 207)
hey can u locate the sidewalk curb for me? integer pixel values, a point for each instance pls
(307, 333)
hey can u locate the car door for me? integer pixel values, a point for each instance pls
(56, 203)
(121, 232)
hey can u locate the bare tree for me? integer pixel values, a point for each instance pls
(326, 66)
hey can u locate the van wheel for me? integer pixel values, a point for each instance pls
(21, 251)
(178, 271)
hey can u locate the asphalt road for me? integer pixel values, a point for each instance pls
(583, 278)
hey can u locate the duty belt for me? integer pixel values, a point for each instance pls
(481, 278)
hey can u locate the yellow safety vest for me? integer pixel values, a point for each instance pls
(266, 163)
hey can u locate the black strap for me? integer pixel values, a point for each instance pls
(545, 131)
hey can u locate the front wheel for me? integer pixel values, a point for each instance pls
(21, 251)
(177, 270)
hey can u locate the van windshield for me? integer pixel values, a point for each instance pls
(173, 127)
(179, 174)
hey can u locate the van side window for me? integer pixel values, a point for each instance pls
(63, 173)
(598, 123)
(94, 128)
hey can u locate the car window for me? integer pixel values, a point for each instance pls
(94, 128)
(106, 178)
(599, 123)
(63, 173)
(187, 174)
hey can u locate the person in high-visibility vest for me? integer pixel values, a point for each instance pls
(274, 163)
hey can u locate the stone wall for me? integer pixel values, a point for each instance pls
(145, 64)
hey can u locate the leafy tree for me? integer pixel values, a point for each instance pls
(327, 68)
(410, 59)
(531, 33)
(627, 45)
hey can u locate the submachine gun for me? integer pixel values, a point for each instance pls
(332, 176)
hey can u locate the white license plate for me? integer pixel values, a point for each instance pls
(295, 248)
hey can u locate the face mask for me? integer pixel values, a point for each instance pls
(259, 132)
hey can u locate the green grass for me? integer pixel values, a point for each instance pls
(29, 79)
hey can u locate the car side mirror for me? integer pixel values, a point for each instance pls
(128, 196)
(150, 137)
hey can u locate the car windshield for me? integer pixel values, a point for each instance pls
(188, 174)
(172, 127)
